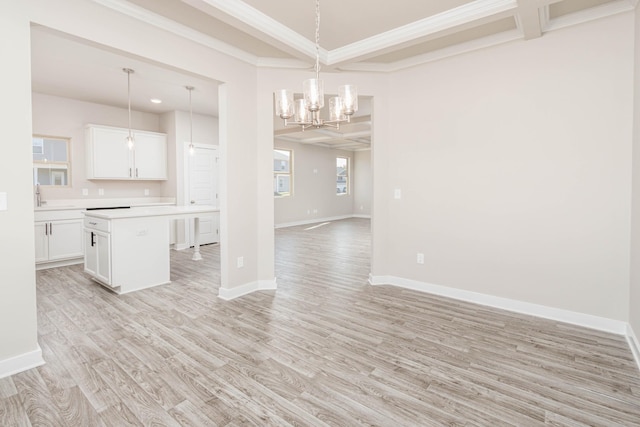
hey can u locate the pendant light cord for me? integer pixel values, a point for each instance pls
(191, 148)
(318, 39)
(128, 71)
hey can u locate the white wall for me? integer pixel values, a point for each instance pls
(64, 117)
(634, 292)
(314, 186)
(514, 165)
(362, 183)
(18, 330)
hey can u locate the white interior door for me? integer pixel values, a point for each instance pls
(203, 190)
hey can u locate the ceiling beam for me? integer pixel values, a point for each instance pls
(468, 15)
(257, 24)
(528, 19)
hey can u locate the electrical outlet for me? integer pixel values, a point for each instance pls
(85, 191)
(240, 262)
(146, 191)
(315, 211)
(100, 191)
(397, 193)
(420, 258)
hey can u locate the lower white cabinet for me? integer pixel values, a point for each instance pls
(58, 242)
(97, 257)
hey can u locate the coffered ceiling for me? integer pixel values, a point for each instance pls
(357, 35)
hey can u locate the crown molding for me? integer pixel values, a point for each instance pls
(166, 24)
(462, 15)
(264, 24)
(293, 64)
(592, 14)
(437, 55)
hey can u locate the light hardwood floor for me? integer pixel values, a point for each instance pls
(325, 349)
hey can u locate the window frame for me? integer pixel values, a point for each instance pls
(279, 173)
(347, 176)
(50, 164)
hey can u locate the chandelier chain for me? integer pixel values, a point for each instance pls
(317, 39)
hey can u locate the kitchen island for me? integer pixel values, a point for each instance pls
(128, 249)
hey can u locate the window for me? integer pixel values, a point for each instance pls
(282, 171)
(51, 164)
(342, 175)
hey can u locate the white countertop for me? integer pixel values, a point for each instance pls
(165, 211)
(80, 204)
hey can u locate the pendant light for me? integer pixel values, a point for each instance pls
(191, 147)
(305, 112)
(130, 140)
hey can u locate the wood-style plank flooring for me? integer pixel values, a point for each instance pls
(324, 349)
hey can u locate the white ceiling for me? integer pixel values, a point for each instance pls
(361, 35)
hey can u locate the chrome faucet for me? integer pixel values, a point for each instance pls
(38, 196)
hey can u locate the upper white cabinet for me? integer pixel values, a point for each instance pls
(109, 157)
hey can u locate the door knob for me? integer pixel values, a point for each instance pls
(193, 202)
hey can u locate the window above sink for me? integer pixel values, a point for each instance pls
(51, 161)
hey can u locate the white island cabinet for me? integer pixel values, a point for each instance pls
(128, 249)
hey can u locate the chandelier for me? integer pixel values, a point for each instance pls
(305, 111)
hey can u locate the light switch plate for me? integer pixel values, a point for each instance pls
(397, 193)
(3, 201)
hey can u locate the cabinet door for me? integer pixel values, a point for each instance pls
(90, 253)
(109, 155)
(42, 241)
(65, 239)
(103, 269)
(150, 156)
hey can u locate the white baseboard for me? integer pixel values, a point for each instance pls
(228, 294)
(180, 246)
(312, 221)
(61, 263)
(21, 363)
(632, 339)
(589, 321)
(361, 216)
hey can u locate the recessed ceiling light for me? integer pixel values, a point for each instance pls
(156, 100)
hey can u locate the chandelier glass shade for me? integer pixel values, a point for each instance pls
(305, 111)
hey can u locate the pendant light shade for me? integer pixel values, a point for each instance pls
(130, 141)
